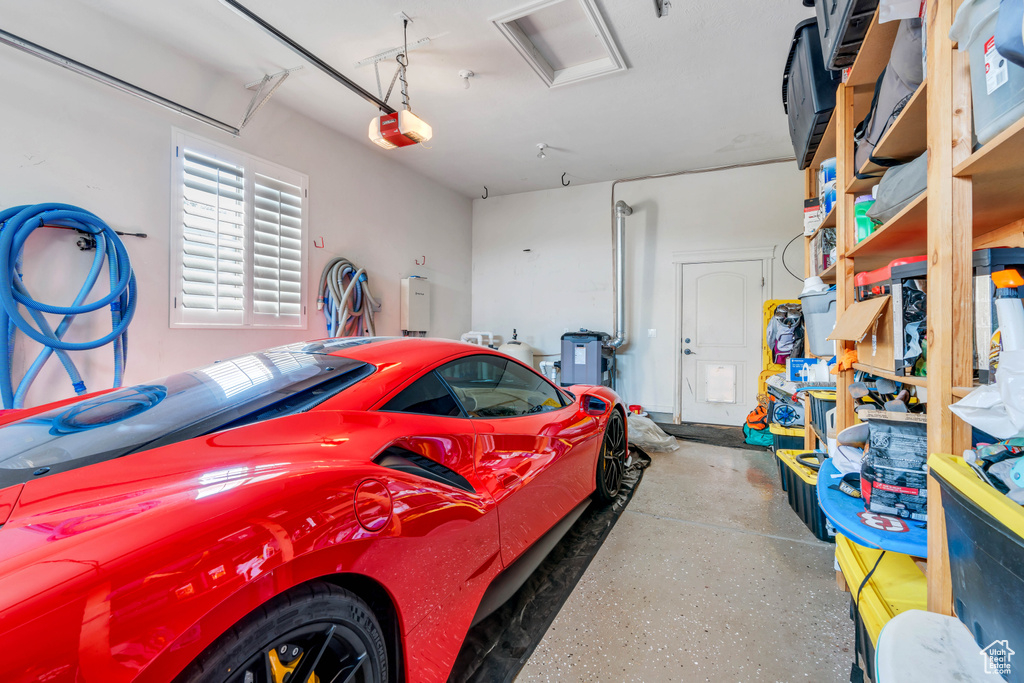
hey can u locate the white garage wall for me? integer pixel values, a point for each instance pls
(64, 138)
(564, 280)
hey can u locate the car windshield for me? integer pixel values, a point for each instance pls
(226, 394)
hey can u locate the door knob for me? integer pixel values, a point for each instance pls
(688, 352)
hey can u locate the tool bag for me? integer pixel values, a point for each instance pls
(898, 187)
(1010, 31)
(899, 81)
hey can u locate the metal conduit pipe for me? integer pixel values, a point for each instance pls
(622, 209)
(619, 212)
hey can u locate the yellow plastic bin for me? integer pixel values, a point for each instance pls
(801, 486)
(985, 535)
(897, 585)
(786, 439)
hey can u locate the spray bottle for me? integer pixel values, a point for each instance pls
(1009, 309)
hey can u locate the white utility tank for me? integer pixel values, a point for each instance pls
(520, 351)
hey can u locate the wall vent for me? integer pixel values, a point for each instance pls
(564, 41)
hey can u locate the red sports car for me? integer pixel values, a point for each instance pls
(327, 512)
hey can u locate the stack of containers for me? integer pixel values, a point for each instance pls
(997, 83)
(827, 187)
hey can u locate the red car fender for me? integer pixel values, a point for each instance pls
(430, 641)
(610, 397)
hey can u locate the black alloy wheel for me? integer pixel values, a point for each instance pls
(317, 633)
(611, 465)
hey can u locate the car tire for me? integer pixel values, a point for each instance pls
(317, 617)
(611, 460)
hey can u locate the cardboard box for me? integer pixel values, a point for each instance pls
(868, 324)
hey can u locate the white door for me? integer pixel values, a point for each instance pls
(721, 340)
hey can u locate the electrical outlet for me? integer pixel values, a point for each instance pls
(652, 333)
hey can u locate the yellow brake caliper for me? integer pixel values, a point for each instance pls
(281, 672)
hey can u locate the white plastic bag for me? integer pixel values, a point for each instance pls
(997, 409)
(895, 10)
(649, 437)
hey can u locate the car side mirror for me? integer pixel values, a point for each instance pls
(592, 405)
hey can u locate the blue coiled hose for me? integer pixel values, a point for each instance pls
(16, 224)
(344, 297)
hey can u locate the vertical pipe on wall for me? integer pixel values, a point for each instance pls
(622, 209)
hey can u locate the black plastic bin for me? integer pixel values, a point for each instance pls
(986, 556)
(842, 25)
(801, 486)
(808, 92)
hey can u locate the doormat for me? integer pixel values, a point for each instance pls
(498, 647)
(713, 435)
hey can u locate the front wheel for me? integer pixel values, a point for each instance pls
(611, 463)
(316, 633)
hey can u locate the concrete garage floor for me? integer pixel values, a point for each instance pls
(707, 576)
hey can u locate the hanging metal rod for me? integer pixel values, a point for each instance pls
(114, 82)
(310, 57)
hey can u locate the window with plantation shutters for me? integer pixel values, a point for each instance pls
(277, 248)
(240, 255)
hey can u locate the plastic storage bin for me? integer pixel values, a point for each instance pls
(820, 317)
(801, 486)
(821, 403)
(897, 585)
(985, 534)
(878, 282)
(842, 25)
(786, 439)
(997, 84)
(808, 92)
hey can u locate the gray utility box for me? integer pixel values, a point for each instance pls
(585, 359)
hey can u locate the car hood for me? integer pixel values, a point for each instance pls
(77, 522)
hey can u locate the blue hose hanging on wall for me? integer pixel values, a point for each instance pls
(344, 297)
(16, 224)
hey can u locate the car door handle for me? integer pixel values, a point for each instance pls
(510, 481)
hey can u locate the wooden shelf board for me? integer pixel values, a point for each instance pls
(829, 276)
(827, 146)
(831, 219)
(905, 140)
(874, 52)
(904, 235)
(997, 174)
(961, 392)
(916, 381)
(818, 435)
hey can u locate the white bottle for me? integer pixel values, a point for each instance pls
(1009, 309)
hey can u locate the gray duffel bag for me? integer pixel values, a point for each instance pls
(899, 186)
(894, 88)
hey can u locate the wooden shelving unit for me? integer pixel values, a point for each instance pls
(915, 381)
(905, 140)
(904, 235)
(975, 199)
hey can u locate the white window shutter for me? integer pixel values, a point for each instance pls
(277, 251)
(213, 241)
(241, 224)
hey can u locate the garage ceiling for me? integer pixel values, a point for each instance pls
(702, 86)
